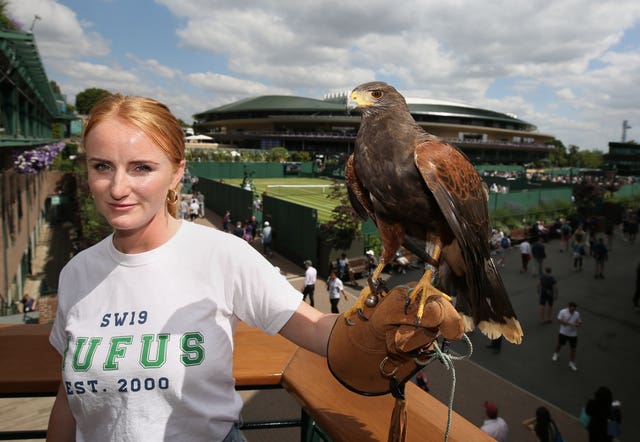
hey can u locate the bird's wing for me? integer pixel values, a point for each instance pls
(459, 191)
(358, 195)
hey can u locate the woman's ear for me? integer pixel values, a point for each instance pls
(179, 173)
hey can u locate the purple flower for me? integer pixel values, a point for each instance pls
(35, 160)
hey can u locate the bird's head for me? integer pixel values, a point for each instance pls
(377, 95)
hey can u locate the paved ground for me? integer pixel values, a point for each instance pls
(523, 377)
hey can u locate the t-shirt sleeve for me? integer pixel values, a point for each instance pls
(58, 337)
(262, 296)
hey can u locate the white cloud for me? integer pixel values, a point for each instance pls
(554, 64)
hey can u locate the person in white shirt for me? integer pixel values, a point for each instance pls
(525, 253)
(335, 288)
(569, 319)
(310, 275)
(495, 426)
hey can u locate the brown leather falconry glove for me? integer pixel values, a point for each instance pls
(365, 355)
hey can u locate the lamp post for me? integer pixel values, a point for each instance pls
(36, 17)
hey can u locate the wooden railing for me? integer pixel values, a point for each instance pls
(31, 367)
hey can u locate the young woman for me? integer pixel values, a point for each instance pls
(158, 300)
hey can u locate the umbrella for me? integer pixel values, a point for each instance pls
(199, 137)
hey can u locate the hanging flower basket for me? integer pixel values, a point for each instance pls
(34, 160)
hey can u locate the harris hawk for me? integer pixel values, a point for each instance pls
(425, 194)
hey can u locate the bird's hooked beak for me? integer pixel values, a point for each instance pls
(357, 100)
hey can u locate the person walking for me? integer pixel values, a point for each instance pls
(525, 254)
(600, 255)
(578, 247)
(335, 288)
(310, 275)
(194, 208)
(565, 235)
(543, 426)
(604, 414)
(548, 289)
(267, 239)
(200, 197)
(569, 319)
(539, 254)
(494, 425)
(505, 245)
(636, 294)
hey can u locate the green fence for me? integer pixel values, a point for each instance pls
(221, 170)
(525, 200)
(294, 228)
(220, 197)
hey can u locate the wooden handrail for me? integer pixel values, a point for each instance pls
(32, 368)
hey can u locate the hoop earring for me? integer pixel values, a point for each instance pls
(172, 196)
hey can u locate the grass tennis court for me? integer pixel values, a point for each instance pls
(315, 197)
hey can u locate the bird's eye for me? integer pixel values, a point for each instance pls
(377, 93)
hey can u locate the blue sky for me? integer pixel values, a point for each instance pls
(572, 68)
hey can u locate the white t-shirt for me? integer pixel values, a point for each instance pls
(146, 339)
(335, 288)
(525, 248)
(310, 276)
(496, 428)
(567, 316)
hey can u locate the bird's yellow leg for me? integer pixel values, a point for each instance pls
(425, 287)
(366, 291)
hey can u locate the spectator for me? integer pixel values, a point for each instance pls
(525, 254)
(344, 270)
(600, 254)
(539, 254)
(267, 239)
(636, 294)
(200, 197)
(543, 426)
(565, 235)
(578, 248)
(371, 261)
(184, 208)
(335, 289)
(401, 262)
(548, 289)
(238, 230)
(226, 221)
(194, 208)
(504, 246)
(605, 418)
(495, 426)
(310, 275)
(570, 320)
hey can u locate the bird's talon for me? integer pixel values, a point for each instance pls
(361, 315)
(349, 322)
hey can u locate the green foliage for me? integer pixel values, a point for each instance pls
(54, 87)
(301, 156)
(94, 226)
(344, 225)
(5, 21)
(88, 97)
(277, 155)
(559, 157)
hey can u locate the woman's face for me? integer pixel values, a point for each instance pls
(129, 177)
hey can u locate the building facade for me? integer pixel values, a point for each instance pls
(28, 111)
(323, 126)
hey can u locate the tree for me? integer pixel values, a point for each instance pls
(6, 22)
(343, 227)
(54, 87)
(88, 97)
(559, 157)
(277, 155)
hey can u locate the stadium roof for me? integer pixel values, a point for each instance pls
(283, 104)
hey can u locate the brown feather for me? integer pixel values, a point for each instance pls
(420, 190)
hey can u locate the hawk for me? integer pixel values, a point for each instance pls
(425, 194)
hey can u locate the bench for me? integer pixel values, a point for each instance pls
(358, 267)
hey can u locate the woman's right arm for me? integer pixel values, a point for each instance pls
(62, 425)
